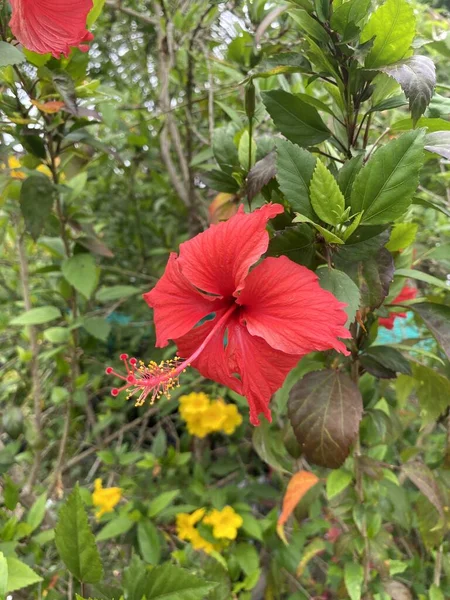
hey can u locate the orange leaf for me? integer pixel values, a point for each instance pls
(300, 483)
(49, 107)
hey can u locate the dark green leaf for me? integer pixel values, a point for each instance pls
(390, 358)
(174, 583)
(295, 119)
(75, 541)
(284, 62)
(394, 26)
(66, 88)
(348, 172)
(417, 77)
(325, 409)
(437, 318)
(97, 327)
(220, 181)
(297, 243)
(149, 542)
(36, 203)
(341, 286)
(309, 25)
(295, 167)
(383, 189)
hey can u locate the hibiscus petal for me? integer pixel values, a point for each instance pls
(177, 306)
(262, 368)
(284, 304)
(213, 363)
(218, 260)
(51, 25)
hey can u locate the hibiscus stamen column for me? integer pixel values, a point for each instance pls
(158, 379)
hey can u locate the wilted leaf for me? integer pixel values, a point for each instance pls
(75, 541)
(295, 119)
(260, 175)
(325, 409)
(297, 487)
(393, 26)
(417, 77)
(397, 590)
(423, 478)
(437, 318)
(383, 189)
(48, 108)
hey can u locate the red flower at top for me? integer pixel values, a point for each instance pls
(51, 25)
(408, 293)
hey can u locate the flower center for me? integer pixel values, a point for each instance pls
(158, 379)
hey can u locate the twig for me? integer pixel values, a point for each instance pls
(132, 13)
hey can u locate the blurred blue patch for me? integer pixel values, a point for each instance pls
(404, 329)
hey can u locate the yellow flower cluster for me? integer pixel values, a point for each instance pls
(14, 165)
(225, 524)
(105, 499)
(204, 416)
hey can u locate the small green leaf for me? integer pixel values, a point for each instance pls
(37, 512)
(353, 577)
(220, 181)
(149, 542)
(326, 198)
(337, 481)
(36, 203)
(80, 271)
(383, 189)
(161, 502)
(348, 172)
(174, 583)
(57, 335)
(348, 15)
(20, 575)
(394, 26)
(295, 119)
(247, 557)
(10, 55)
(95, 12)
(37, 316)
(420, 276)
(328, 236)
(98, 327)
(116, 292)
(310, 25)
(114, 528)
(402, 236)
(341, 286)
(436, 593)
(3, 575)
(433, 392)
(75, 541)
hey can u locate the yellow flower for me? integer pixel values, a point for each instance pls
(199, 543)
(193, 403)
(105, 499)
(214, 416)
(196, 426)
(232, 418)
(225, 523)
(186, 530)
(14, 165)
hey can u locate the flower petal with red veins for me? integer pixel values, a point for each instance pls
(177, 306)
(51, 25)
(284, 304)
(261, 368)
(213, 363)
(218, 260)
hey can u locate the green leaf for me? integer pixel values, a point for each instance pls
(433, 391)
(243, 150)
(337, 481)
(348, 16)
(80, 271)
(149, 542)
(3, 575)
(325, 410)
(220, 181)
(116, 292)
(247, 557)
(353, 577)
(432, 125)
(297, 243)
(114, 528)
(295, 119)
(264, 445)
(225, 151)
(37, 316)
(75, 541)
(95, 12)
(20, 575)
(57, 335)
(98, 327)
(283, 62)
(328, 236)
(10, 55)
(309, 25)
(161, 502)
(437, 318)
(402, 236)
(36, 203)
(295, 167)
(384, 187)
(347, 174)
(326, 198)
(38, 60)
(420, 276)
(343, 288)
(394, 26)
(439, 143)
(390, 360)
(174, 583)
(436, 593)
(37, 512)
(417, 77)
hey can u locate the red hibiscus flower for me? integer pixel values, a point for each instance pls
(261, 322)
(408, 293)
(51, 25)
